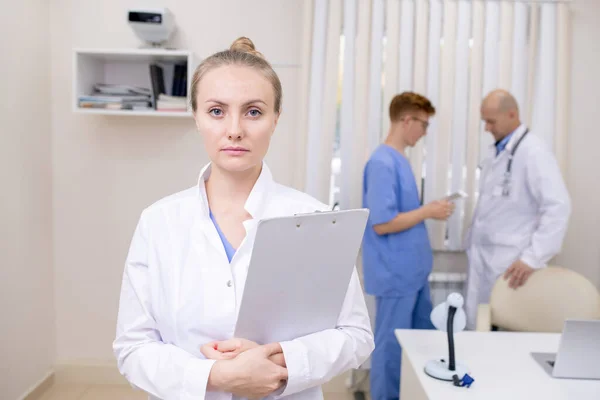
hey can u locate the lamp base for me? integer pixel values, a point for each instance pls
(439, 369)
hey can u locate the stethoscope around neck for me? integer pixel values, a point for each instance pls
(508, 172)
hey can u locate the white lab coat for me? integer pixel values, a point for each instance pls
(529, 225)
(179, 291)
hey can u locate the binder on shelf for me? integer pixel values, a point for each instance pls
(158, 83)
(179, 80)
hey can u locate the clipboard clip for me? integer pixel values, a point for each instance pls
(298, 224)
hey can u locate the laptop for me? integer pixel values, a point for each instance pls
(578, 354)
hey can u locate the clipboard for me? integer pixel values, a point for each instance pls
(299, 274)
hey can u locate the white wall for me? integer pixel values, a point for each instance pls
(107, 169)
(582, 244)
(27, 349)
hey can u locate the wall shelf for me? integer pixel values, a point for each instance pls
(134, 113)
(127, 67)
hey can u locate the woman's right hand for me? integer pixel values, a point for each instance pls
(440, 209)
(251, 374)
(226, 349)
(231, 348)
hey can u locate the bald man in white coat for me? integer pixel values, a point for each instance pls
(523, 208)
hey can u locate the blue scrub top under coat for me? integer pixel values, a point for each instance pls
(229, 250)
(501, 144)
(395, 264)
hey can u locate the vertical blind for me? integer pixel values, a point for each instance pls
(452, 51)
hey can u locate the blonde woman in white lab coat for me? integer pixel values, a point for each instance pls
(187, 264)
(523, 209)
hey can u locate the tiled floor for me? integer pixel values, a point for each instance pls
(335, 390)
(92, 392)
(123, 392)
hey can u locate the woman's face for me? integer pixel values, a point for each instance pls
(236, 117)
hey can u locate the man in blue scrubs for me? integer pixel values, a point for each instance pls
(397, 255)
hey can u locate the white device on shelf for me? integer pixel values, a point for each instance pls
(449, 317)
(152, 25)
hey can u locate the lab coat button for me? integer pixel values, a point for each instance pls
(229, 283)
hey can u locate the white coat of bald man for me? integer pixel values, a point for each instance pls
(523, 208)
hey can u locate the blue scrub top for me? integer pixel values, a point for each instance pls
(501, 144)
(229, 250)
(395, 264)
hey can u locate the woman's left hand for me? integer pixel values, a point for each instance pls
(231, 348)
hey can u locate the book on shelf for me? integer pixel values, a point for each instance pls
(171, 103)
(121, 90)
(179, 85)
(115, 102)
(157, 81)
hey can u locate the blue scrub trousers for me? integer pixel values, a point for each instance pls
(407, 312)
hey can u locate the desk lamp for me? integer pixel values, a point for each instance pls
(450, 317)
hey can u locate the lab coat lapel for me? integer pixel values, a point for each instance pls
(255, 205)
(515, 138)
(257, 199)
(496, 165)
(493, 175)
(203, 225)
(489, 178)
(503, 156)
(488, 166)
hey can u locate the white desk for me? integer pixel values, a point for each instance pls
(500, 363)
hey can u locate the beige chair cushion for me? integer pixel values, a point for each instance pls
(550, 296)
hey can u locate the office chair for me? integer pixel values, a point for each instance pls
(550, 296)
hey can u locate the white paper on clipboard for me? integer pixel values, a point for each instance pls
(299, 274)
(457, 195)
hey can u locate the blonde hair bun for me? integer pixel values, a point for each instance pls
(245, 45)
(241, 53)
